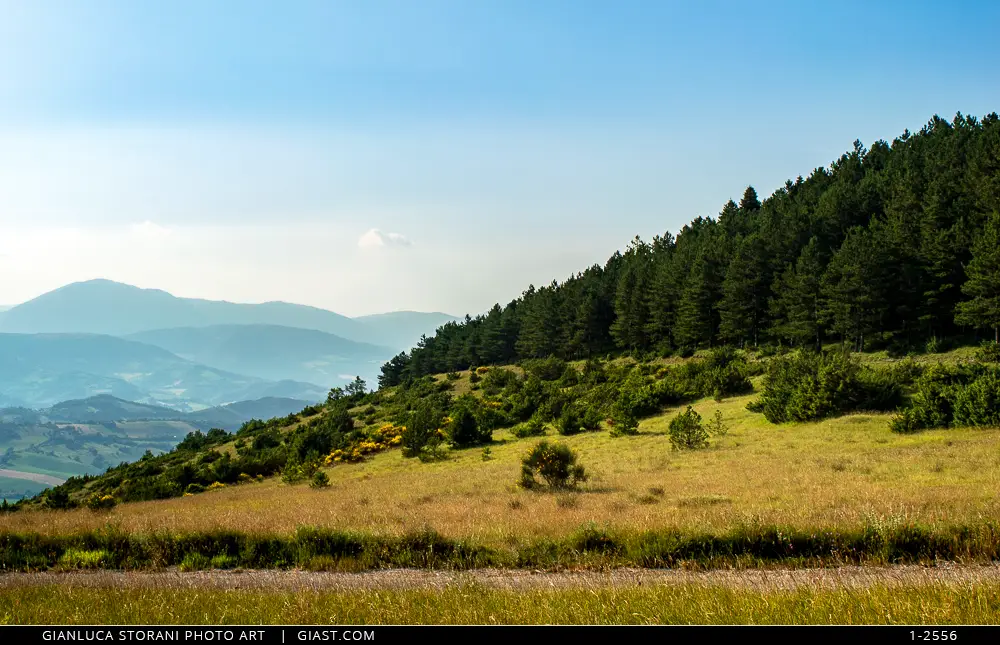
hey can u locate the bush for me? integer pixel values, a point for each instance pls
(988, 352)
(533, 427)
(569, 421)
(553, 465)
(464, 429)
(810, 386)
(420, 433)
(978, 403)
(547, 369)
(453, 376)
(570, 377)
(717, 427)
(319, 480)
(686, 431)
(623, 424)
(98, 502)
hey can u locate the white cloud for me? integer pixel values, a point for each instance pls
(149, 229)
(375, 238)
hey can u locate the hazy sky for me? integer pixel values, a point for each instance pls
(369, 156)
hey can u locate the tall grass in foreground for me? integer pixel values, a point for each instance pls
(590, 546)
(675, 604)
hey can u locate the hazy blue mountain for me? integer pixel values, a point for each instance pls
(112, 308)
(106, 307)
(231, 417)
(402, 329)
(39, 370)
(272, 352)
(105, 407)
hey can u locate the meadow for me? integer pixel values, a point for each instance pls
(929, 603)
(843, 473)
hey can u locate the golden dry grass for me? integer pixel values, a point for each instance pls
(842, 472)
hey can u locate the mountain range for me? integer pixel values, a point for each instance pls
(148, 346)
(116, 309)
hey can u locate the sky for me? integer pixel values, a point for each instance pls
(432, 155)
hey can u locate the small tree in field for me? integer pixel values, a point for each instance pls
(687, 432)
(553, 465)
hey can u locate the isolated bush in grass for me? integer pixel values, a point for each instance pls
(687, 432)
(553, 465)
(319, 480)
(717, 427)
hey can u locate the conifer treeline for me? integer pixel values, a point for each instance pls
(899, 243)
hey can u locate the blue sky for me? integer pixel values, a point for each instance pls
(247, 150)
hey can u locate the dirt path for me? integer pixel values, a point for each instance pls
(35, 477)
(277, 580)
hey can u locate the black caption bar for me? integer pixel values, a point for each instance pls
(517, 635)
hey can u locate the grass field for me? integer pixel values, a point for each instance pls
(936, 603)
(841, 473)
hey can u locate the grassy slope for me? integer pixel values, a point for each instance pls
(839, 473)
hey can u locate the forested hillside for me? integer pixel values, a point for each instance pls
(894, 246)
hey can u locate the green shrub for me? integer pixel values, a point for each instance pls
(569, 421)
(553, 465)
(570, 377)
(453, 376)
(978, 403)
(810, 386)
(533, 427)
(98, 502)
(420, 435)
(547, 369)
(464, 430)
(623, 424)
(687, 432)
(988, 352)
(717, 427)
(319, 479)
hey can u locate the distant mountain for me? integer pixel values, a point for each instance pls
(39, 370)
(103, 408)
(232, 416)
(113, 308)
(106, 307)
(402, 329)
(272, 352)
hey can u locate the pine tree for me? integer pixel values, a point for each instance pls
(631, 313)
(742, 309)
(749, 203)
(983, 284)
(797, 304)
(695, 324)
